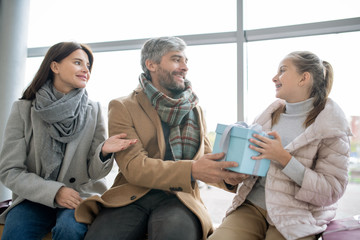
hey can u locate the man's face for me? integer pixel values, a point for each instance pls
(169, 75)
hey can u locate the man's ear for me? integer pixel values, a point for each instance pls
(54, 67)
(150, 65)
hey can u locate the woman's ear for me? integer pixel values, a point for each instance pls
(54, 67)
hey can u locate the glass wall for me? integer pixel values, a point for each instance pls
(274, 13)
(340, 50)
(112, 20)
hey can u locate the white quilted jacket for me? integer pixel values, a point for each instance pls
(324, 150)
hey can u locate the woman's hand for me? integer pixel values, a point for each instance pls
(270, 148)
(117, 143)
(68, 198)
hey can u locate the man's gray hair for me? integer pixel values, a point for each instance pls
(155, 48)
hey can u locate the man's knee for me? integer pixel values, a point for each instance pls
(174, 221)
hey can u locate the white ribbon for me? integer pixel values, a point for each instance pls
(225, 139)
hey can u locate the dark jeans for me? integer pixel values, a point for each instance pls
(159, 214)
(30, 221)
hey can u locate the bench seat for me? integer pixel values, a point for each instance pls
(47, 237)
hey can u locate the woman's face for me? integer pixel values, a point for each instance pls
(290, 85)
(72, 72)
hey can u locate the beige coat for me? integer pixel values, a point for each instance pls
(324, 150)
(141, 167)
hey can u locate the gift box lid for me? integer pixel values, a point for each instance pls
(239, 150)
(239, 131)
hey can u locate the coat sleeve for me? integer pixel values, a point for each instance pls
(141, 164)
(97, 168)
(13, 169)
(326, 182)
(207, 143)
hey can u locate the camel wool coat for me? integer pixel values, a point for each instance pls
(81, 169)
(141, 167)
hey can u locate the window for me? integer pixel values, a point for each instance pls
(112, 20)
(340, 50)
(275, 13)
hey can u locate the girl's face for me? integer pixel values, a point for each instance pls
(290, 85)
(71, 72)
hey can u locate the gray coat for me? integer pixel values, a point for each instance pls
(81, 169)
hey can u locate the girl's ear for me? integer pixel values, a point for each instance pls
(305, 79)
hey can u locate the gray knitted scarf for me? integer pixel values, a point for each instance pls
(64, 119)
(178, 113)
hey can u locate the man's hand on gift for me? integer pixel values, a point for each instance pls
(270, 148)
(236, 180)
(208, 169)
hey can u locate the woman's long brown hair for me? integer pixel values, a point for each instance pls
(55, 53)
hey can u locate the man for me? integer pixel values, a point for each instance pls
(155, 191)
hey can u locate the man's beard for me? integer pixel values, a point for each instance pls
(166, 80)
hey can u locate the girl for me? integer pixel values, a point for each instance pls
(54, 151)
(309, 157)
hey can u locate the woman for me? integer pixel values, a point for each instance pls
(54, 151)
(309, 157)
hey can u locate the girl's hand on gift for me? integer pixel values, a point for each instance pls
(270, 148)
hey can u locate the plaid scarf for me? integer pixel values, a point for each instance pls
(178, 113)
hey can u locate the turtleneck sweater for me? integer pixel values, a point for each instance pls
(289, 126)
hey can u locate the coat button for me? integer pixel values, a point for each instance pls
(72, 180)
(133, 197)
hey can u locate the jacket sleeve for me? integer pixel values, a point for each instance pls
(97, 168)
(13, 169)
(141, 164)
(326, 182)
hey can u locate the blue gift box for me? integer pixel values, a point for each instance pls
(238, 150)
